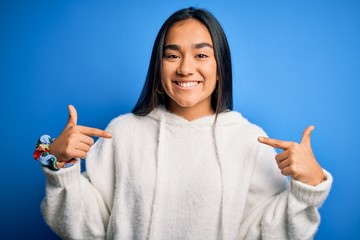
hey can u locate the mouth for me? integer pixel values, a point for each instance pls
(187, 84)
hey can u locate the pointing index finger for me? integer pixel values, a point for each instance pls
(95, 132)
(275, 143)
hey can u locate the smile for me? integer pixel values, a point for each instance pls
(187, 84)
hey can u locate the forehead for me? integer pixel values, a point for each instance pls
(188, 31)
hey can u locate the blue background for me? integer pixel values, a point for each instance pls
(295, 63)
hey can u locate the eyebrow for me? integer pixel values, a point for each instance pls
(202, 45)
(196, 46)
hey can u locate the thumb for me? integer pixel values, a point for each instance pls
(306, 135)
(72, 121)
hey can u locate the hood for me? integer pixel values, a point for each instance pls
(224, 119)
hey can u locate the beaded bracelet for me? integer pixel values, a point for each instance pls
(42, 154)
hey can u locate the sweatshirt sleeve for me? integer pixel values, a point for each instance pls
(277, 208)
(77, 205)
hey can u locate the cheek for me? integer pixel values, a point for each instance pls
(166, 72)
(211, 72)
(166, 78)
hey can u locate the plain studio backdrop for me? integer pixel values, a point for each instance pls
(295, 63)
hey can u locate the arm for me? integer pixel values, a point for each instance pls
(75, 206)
(279, 210)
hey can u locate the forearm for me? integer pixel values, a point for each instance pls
(291, 214)
(72, 207)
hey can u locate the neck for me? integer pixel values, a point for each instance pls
(191, 113)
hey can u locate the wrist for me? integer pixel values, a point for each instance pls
(43, 154)
(323, 178)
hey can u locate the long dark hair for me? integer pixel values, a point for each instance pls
(151, 95)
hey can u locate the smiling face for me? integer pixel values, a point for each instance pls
(189, 69)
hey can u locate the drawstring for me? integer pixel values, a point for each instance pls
(218, 156)
(159, 160)
(160, 157)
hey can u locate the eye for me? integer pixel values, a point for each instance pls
(171, 56)
(201, 55)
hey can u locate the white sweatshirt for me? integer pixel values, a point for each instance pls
(163, 177)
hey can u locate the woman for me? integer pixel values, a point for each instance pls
(183, 165)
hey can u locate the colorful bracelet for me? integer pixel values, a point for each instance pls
(42, 154)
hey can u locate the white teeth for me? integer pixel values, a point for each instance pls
(187, 84)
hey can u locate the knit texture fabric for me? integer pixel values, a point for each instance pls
(163, 177)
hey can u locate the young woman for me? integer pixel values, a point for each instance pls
(182, 165)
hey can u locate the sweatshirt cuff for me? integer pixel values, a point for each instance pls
(312, 195)
(64, 176)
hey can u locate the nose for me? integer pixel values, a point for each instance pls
(186, 66)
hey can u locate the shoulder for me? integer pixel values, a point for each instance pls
(235, 121)
(129, 124)
(126, 118)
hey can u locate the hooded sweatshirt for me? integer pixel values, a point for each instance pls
(163, 177)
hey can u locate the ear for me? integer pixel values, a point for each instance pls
(160, 89)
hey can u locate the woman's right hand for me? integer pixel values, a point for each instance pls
(75, 141)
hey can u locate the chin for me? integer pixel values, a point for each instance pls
(185, 103)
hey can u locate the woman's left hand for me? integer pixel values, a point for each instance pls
(297, 159)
